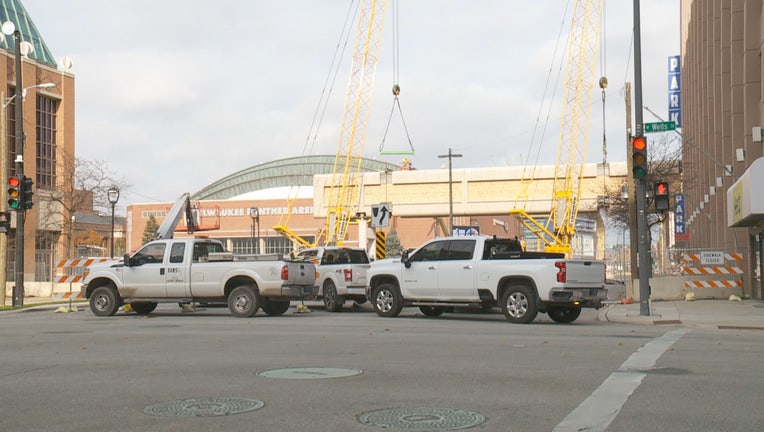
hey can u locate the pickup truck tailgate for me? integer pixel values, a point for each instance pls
(585, 272)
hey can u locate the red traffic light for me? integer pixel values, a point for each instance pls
(661, 188)
(639, 157)
(14, 193)
(639, 143)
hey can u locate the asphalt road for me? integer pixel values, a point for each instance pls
(79, 372)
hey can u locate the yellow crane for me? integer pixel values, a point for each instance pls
(345, 181)
(559, 229)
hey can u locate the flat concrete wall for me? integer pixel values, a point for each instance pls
(672, 288)
(43, 289)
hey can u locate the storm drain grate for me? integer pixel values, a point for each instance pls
(422, 419)
(309, 373)
(204, 407)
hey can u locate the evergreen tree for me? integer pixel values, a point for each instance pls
(150, 232)
(393, 246)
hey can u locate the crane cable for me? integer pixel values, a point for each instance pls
(323, 102)
(603, 81)
(396, 88)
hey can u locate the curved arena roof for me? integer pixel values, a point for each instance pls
(296, 171)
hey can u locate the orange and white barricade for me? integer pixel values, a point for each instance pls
(73, 271)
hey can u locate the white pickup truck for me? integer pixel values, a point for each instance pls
(488, 272)
(190, 270)
(341, 274)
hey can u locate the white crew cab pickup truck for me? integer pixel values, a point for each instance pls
(190, 270)
(341, 273)
(488, 272)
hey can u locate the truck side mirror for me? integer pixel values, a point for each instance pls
(405, 259)
(126, 260)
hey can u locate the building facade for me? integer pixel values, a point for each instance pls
(722, 113)
(46, 100)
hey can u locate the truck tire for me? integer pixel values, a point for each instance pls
(104, 301)
(243, 302)
(274, 307)
(432, 311)
(564, 314)
(332, 301)
(519, 304)
(143, 308)
(386, 301)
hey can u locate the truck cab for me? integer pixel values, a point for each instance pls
(341, 274)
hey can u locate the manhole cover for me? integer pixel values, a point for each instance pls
(422, 419)
(309, 373)
(203, 407)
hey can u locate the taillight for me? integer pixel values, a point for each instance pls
(348, 274)
(562, 271)
(284, 273)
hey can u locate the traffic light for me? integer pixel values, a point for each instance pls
(14, 193)
(26, 193)
(5, 222)
(639, 157)
(661, 196)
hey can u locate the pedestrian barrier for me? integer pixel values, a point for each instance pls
(712, 270)
(73, 271)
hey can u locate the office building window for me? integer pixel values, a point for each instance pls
(46, 142)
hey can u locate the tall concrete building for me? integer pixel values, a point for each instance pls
(722, 114)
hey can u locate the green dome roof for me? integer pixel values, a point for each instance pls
(13, 10)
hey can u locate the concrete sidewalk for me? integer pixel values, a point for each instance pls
(721, 314)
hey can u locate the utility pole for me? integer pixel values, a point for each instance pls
(450, 157)
(640, 198)
(631, 202)
(3, 198)
(18, 287)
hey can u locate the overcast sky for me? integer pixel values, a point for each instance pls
(176, 94)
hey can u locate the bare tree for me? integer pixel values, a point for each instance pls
(82, 186)
(665, 165)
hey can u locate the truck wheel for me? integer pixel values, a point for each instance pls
(564, 314)
(432, 311)
(104, 301)
(519, 304)
(332, 301)
(143, 308)
(243, 302)
(386, 300)
(274, 307)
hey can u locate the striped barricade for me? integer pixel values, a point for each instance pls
(74, 269)
(718, 275)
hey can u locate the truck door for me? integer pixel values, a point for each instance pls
(146, 275)
(456, 273)
(422, 277)
(177, 275)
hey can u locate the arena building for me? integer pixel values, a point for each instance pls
(241, 209)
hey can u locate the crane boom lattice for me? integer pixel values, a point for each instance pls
(574, 131)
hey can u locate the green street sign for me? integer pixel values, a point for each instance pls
(660, 126)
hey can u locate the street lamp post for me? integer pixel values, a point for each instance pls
(254, 213)
(450, 157)
(113, 197)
